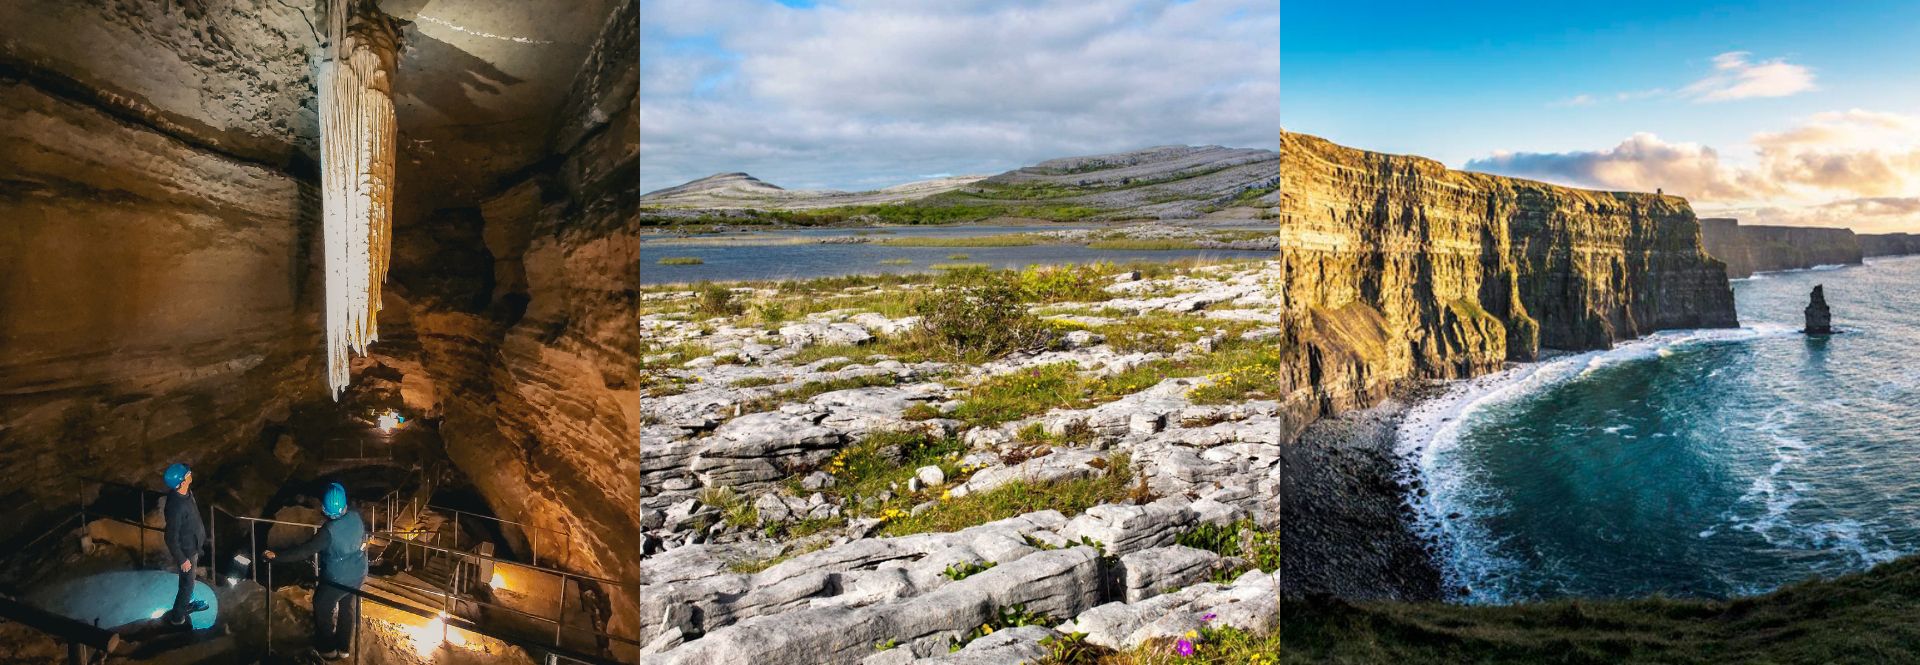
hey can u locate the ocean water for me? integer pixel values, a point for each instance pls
(1692, 463)
(729, 262)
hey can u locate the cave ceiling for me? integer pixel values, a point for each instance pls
(477, 90)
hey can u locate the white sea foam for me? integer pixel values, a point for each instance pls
(1428, 440)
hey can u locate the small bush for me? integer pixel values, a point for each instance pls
(681, 261)
(981, 314)
(1007, 617)
(1064, 282)
(966, 569)
(1071, 649)
(716, 300)
(958, 257)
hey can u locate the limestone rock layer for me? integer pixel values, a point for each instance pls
(1749, 249)
(1396, 267)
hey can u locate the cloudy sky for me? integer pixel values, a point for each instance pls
(1782, 112)
(861, 94)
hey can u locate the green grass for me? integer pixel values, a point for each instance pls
(896, 262)
(756, 381)
(681, 261)
(1242, 371)
(812, 389)
(1004, 240)
(681, 353)
(1246, 373)
(1070, 497)
(1860, 618)
(885, 458)
(1224, 645)
(1261, 549)
(958, 266)
(958, 257)
(751, 566)
(1142, 244)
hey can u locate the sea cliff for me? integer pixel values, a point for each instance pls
(1889, 244)
(1750, 249)
(1396, 267)
(1395, 270)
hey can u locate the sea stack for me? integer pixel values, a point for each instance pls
(1819, 319)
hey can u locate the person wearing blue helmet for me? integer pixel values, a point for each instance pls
(185, 535)
(343, 568)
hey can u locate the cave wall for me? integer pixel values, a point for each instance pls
(1398, 268)
(153, 299)
(1749, 249)
(529, 334)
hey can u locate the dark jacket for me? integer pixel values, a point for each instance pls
(340, 543)
(185, 533)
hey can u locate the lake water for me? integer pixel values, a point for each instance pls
(727, 258)
(1692, 463)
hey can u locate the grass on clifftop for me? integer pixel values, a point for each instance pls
(1866, 617)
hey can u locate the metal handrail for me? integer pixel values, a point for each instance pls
(497, 519)
(472, 627)
(447, 594)
(566, 537)
(520, 564)
(559, 621)
(78, 635)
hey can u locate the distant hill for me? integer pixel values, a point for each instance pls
(1166, 182)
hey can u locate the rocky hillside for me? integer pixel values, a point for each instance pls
(727, 191)
(1397, 267)
(1750, 249)
(1167, 182)
(1889, 244)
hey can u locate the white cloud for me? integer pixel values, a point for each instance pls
(1851, 168)
(1576, 100)
(1737, 77)
(864, 89)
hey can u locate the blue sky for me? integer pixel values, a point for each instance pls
(1778, 112)
(861, 94)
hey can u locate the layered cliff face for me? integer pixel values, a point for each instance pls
(1750, 249)
(1396, 267)
(1889, 244)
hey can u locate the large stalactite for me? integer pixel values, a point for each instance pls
(357, 137)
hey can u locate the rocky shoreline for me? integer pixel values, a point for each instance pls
(1347, 528)
(823, 489)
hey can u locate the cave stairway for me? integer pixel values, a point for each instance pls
(422, 576)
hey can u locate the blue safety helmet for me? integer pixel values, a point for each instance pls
(174, 475)
(334, 504)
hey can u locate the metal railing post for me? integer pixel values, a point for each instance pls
(536, 546)
(85, 530)
(269, 605)
(253, 545)
(560, 612)
(142, 521)
(213, 548)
